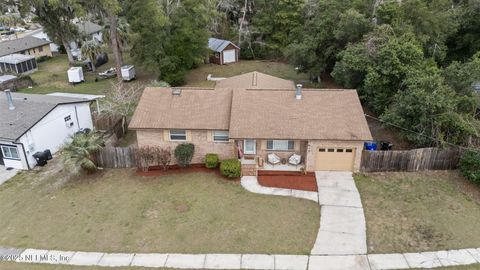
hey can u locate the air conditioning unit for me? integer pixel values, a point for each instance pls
(69, 124)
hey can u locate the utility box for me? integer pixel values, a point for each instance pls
(75, 75)
(128, 73)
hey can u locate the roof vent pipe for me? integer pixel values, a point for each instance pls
(8, 93)
(298, 92)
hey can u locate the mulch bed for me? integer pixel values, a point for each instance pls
(175, 169)
(290, 180)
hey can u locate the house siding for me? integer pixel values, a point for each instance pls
(45, 51)
(313, 145)
(202, 139)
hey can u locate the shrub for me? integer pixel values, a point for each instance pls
(211, 161)
(230, 168)
(184, 154)
(82, 149)
(470, 166)
(144, 156)
(163, 157)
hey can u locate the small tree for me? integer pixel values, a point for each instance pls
(144, 156)
(121, 100)
(470, 165)
(184, 154)
(82, 149)
(90, 49)
(163, 157)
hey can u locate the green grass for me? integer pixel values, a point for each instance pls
(198, 77)
(52, 77)
(410, 212)
(117, 211)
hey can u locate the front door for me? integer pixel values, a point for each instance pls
(249, 147)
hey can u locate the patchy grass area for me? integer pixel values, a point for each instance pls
(198, 77)
(117, 211)
(52, 77)
(423, 211)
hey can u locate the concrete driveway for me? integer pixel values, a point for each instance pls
(342, 223)
(6, 174)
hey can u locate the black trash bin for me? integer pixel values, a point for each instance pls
(386, 146)
(41, 158)
(48, 154)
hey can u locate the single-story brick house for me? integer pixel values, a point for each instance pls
(224, 51)
(326, 127)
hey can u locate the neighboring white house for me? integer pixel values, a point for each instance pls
(34, 123)
(39, 33)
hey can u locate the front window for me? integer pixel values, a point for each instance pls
(10, 152)
(178, 135)
(280, 145)
(220, 136)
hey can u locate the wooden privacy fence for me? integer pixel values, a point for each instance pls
(116, 157)
(106, 122)
(411, 160)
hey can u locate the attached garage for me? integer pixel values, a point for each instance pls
(334, 159)
(223, 51)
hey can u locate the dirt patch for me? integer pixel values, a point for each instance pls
(289, 180)
(381, 132)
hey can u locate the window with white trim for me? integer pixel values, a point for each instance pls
(220, 136)
(280, 145)
(10, 152)
(178, 135)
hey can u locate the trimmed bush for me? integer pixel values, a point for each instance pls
(211, 161)
(470, 166)
(230, 168)
(184, 154)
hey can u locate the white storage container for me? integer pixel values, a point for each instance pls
(128, 72)
(75, 75)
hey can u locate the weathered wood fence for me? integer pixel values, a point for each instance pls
(106, 122)
(411, 160)
(116, 157)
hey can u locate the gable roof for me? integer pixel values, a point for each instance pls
(21, 44)
(276, 114)
(194, 108)
(218, 45)
(29, 109)
(88, 28)
(255, 80)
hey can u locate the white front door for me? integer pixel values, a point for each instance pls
(229, 56)
(249, 147)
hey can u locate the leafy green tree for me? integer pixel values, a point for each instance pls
(329, 26)
(461, 76)
(431, 109)
(277, 22)
(170, 38)
(80, 152)
(90, 49)
(56, 18)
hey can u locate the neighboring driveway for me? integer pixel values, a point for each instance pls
(6, 174)
(342, 223)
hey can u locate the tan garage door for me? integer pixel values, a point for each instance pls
(334, 159)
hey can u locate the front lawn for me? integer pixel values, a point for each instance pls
(117, 211)
(410, 212)
(198, 77)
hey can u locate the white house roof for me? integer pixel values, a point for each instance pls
(29, 109)
(15, 58)
(74, 95)
(218, 45)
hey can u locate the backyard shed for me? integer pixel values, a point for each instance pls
(18, 64)
(224, 51)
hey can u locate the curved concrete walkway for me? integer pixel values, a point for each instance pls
(340, 242)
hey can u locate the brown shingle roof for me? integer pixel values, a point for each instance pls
(255, 80)
(193, 109)
(320, 114)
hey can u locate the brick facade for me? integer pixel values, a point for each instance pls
(202, 139)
